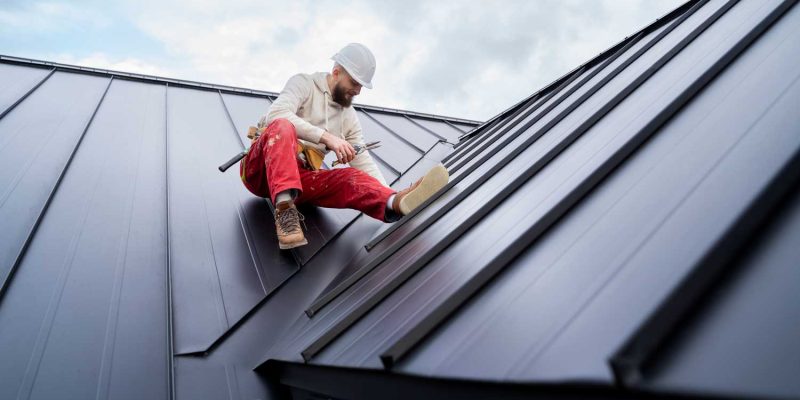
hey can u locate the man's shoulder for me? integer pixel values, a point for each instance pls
(302, 78)
(309, 81)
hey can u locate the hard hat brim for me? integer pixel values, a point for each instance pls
(367, 85)
(361, 82)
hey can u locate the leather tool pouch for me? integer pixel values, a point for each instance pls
(313, 157)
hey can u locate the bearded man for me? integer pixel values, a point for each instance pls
(314, 114)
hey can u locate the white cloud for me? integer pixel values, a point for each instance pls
(50, 16)
(480, 60)
(451, 57)
(259, 48)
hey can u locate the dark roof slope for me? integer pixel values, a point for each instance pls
(583, 226)
(121, 243)
(631, 230)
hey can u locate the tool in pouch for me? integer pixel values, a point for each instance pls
(252, 133)
(311, 157)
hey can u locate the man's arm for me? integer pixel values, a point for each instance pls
(296, 91)
(363, 161)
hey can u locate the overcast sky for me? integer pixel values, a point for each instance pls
(468, 59)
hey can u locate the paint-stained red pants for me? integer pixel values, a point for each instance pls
(271, 167)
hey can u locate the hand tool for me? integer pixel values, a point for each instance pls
(252, 133)
(234, 160)
(360, 149)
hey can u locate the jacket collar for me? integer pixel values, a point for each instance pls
(321, 80)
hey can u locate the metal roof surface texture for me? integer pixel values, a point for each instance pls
(576, 221)
(121, 243)
(633, 225)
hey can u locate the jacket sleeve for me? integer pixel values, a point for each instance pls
(362, 161)
(296, 92)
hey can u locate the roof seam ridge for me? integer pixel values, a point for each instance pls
(243, 221)
(6, 280)
(426, 129)
(455, 127)
(168, 255)
(482, 142)
(393, 133)
(28, 93)
(628, 359)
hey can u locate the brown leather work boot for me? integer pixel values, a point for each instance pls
(410, 198)
(287, 224)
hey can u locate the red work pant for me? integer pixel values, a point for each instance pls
(271, 167)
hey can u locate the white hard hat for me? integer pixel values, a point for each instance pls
(358, 61)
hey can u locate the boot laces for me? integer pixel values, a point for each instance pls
(289, 220)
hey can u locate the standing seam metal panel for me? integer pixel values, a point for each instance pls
(11, 92)
(532, 111)
(408, 129)
(30, 171)
(742, 341)
(215, 279)
(76, 296)
(394, 134)
(574, 352)
(632, 356)
(583, 90)
(413, 335)
(478, 164)
(371, 300)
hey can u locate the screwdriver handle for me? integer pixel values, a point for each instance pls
(234, 160)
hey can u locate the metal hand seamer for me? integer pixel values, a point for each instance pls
(360, 149)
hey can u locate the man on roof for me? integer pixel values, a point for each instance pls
(314, 115)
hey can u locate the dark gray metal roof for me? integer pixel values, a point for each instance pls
(110, 188)
(572, 219)
(631, 229)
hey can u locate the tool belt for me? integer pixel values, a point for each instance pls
(310, 157)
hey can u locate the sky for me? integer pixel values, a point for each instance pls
(460, 58)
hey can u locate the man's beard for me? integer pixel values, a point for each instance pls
(340, 96)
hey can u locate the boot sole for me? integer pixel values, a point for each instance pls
(431, 183)
(288, 246)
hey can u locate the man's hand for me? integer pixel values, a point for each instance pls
(344, 151)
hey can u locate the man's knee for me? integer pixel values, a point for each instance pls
(353, 176)
(282, 127)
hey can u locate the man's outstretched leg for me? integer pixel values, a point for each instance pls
(345, 188)
(352, 188)
(271, 170)
(412, 197)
